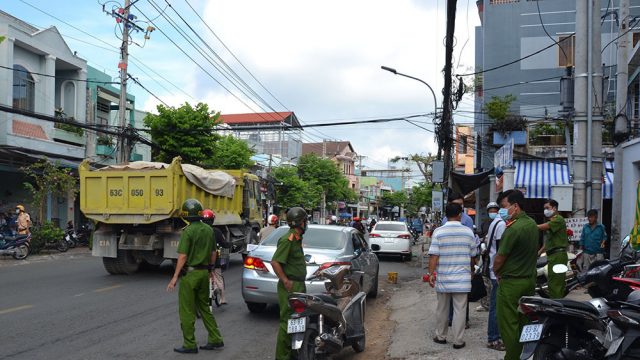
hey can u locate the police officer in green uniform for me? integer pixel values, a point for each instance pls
(196, 256)
(515, 268)
(555, 245)
(289, 264)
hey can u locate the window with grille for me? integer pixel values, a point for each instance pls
(24, 88)
(636, 100)
(566, 51)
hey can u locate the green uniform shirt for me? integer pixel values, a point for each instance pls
(556, 236)
(197, 242)
(519, 244)
(289, 253)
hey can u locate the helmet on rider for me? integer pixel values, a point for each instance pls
(208, 216)
(272, 219)
(20, 207)
(192, 209)
(297, 218)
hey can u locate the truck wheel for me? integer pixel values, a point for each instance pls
(127, 263)
(110, 264)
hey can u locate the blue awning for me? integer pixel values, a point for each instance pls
(537, 177)
(607, 186)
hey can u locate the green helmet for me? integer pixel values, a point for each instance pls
(191, 208)
(296, 216)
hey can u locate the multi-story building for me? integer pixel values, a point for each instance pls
(40, 78)
(341, 152)
(274, 133)
(464, 151)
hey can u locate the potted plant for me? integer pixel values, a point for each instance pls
(104, 145)
(545, 134)
(506, 126)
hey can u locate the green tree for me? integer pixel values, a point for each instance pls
(230, 153)
(424, 163)
(498, 107)
(398, 198)
(46, 178)
(294, 191)
(325, 173)
(185, 131)
(2, 39)
(420, 197)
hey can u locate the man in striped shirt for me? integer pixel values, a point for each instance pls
(451, 260)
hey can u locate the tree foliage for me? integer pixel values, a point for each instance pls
(398, 198)
(420, 197)
(498, 107)
(46, 178)
(304, 184)
(424, 163)
(230, 153)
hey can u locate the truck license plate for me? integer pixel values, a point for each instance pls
(296, 325)
(531, 333)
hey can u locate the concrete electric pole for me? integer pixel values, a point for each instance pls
(622, 74)
(587, 183)
(445, 128)
(124, 150)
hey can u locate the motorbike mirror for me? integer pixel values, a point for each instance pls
(560, 268)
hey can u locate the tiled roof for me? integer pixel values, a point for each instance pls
(30, 130)
(331, 148)
(260, 118)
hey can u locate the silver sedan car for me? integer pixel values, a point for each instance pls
(324, 246)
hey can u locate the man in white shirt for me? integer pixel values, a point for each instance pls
(492, 242)
(452, 255)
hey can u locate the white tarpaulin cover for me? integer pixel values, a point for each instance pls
(214, 182)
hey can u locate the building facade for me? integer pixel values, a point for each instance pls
(341, 152)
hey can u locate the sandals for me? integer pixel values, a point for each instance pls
(497, 345)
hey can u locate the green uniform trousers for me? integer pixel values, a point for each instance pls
(194, 294)
(283, 344)
(556, 281)
(510, 321)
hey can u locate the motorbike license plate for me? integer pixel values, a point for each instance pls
(296, 325)
(613, 348)
(531, 333)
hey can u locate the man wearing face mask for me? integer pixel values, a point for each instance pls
(492, 241)
(515, 269)
(289, 264)
(555, 245)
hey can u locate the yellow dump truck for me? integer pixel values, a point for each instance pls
(137, 209)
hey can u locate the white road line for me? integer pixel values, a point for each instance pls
(18, 308)
(107, 288)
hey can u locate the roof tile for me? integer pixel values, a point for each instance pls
(30, 130)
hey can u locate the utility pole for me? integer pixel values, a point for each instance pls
(123, 151)
(622, 70)
(445, 127)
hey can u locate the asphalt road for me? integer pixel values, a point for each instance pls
(68, 307)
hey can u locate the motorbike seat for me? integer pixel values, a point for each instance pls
(327, 298)
(541, 262)
(15, 238)
(579, 305)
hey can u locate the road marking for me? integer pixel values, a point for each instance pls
(18, 308)
(78, 295)
(107, 288)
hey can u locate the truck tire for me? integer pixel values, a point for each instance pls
(125, 263)
(110, 264)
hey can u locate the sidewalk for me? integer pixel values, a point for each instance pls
(46, 255)
(413, 304)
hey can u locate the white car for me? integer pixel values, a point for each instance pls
(391, 237)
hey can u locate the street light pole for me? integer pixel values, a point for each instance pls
(395, 72)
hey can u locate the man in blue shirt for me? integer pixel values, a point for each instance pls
(592, 240)
(457, 198)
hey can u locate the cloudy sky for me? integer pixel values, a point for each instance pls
(320, 59)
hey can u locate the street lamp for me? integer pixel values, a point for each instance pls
(395, 72)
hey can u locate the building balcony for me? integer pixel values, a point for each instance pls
(67, 137)
(105, 150)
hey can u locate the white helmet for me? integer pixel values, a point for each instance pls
(334, 218)
(493, 205)
(272, 219)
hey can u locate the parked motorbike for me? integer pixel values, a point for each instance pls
(542, 286)
(323, 324)
(15, 245)
(569, 329)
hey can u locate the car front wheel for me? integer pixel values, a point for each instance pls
(256, 308)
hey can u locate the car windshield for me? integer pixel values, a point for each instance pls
(317, 238)
(391, 227)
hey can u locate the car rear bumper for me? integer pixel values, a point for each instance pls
(391, 245)
(258, 287)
